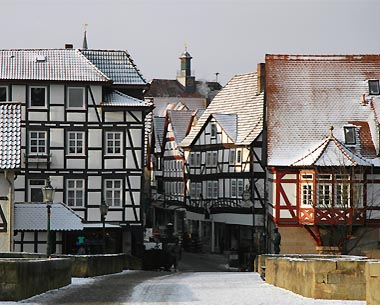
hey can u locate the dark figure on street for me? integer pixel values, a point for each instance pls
(276, 241)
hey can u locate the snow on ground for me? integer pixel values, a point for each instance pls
(229, 288)
(204, 288)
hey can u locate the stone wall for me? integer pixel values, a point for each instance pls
(373, 280)
(23, 278)
(340, 278)
(95, 265)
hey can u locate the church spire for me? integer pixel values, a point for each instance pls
(85, 45)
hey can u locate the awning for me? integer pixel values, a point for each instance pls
(33, 217)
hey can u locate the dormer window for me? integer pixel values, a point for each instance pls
(350, 135)
(213, 130)
(374, 87)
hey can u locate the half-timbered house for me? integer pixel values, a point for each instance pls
(323, 151)
(224, 168)
(82, 127)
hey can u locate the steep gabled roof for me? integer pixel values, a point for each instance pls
(10, 135)
(330, 152)
(117, 65)
(48, 65)
(305, 94)
(229, 123)
(180, 120)
(159, 129)
(239, 97)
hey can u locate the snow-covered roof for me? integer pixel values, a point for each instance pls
(180, 120)
(239, 98)
(116, 98)
(33, 217)
(229, 123)
(117, 65)
(306, 94)
(330, 152)
(10, 135)
(48, 65)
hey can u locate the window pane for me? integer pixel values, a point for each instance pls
(3, 94)
(374, 87)
(37, 97)
(349, 134)
(75, 96)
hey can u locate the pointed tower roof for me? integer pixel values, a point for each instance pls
(85, 45)
(331, 152)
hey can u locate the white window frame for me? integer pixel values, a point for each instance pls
(113, 144)
(30, 96)
(342, 191)
(75, 146)
(198, 159)
(75, 192)
(233, 188)
(349, 135)
(41, 136)
(307, 194)
(239, 154)
(37, 185)
(113, 194)
(240, 188)
(6, 93)
(68, 89)
(325, 195)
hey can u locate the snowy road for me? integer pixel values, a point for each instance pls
(192, 288)
(219, 288)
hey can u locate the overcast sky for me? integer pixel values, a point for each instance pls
(225, 36)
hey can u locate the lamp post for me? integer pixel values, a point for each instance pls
(103, 214)
(48, 195)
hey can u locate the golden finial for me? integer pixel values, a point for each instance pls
(331, 131)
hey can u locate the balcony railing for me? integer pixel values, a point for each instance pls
(331, 216)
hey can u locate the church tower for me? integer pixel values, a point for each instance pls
(184, 76)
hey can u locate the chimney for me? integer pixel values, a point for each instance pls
(260, 78)
(69, 46)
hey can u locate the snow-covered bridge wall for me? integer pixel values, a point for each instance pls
(340, 278)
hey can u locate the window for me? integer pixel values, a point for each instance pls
(192, 159)
(212, 189)
(324, 195)
(213, 130)
(37, 142)
(198, 159)
(307, 196)
(75, 192)
(233, 188)
(75, 97)
(3, 94)
(374, 87)
(342, 189)
(232, 157)
(75, 142)
(349, 135)
(38, 96)
(35, 192)
(240, 187)
(113, 192)
(114, 143)
(211, 158)
(238, 158)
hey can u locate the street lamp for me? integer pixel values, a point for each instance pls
(48, 195)
(103, 213)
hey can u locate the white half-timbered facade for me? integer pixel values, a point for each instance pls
(224, 168)
(82, 127)
(323, 151)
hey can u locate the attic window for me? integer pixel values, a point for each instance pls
(213, 130)
(40, 58)
(349, 135)
(374, 87)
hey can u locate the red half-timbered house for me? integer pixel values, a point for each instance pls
(323, 151)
